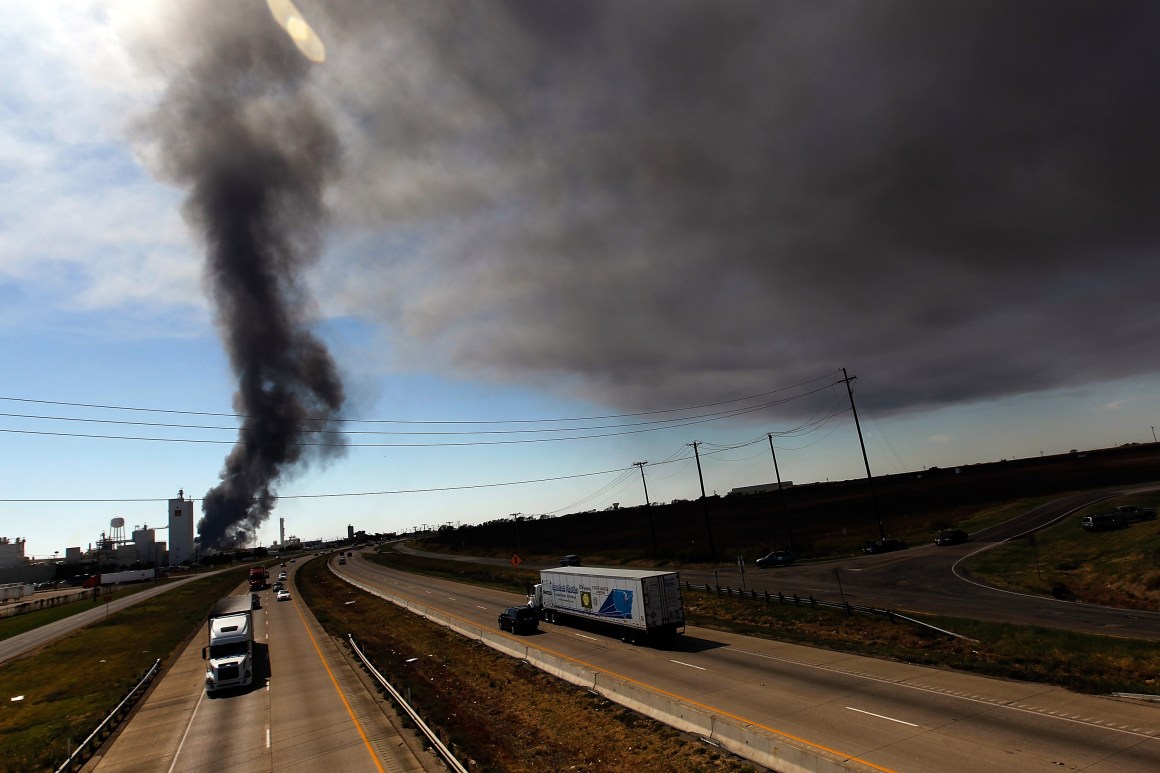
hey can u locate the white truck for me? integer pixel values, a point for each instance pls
(643, 601)
(131, 575)
(15, 590)
(230, 654)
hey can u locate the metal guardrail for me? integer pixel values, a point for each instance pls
(116, 714)
(816, 603)
(444, 752)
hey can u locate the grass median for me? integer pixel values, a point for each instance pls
(68, 686)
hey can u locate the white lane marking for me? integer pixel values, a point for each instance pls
(177, 754)
(267, 736)
(690, 665)
(881, 716)
(589, 638)
(998, 703)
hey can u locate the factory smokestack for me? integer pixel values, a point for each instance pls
(238, 128)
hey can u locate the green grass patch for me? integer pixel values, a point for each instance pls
(1082, 662)
(485, 575)
(1118, 568)
(18, 624)
(71, 684)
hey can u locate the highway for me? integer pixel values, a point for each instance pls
(889, 715)
(314, 710)
(25, 642)
(309, 711)
(929, 579)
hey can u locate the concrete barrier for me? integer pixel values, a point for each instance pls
(758, 744)
(33, 604)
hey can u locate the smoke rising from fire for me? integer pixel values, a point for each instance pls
(238, 129)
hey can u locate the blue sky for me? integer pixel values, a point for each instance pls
(544, 222)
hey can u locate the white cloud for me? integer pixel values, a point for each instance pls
(83, 226)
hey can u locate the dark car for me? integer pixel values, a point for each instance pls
(519, 620)
(570, 560)
(886, 545)
(776, 558)
(952, 537)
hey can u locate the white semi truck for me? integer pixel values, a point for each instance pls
(229, 656)
(641, 601)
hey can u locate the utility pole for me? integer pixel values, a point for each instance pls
(704, 502)
(780, 492)
(847, 380)
(647, 504)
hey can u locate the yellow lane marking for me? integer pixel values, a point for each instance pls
(341, 695)
(681, 698)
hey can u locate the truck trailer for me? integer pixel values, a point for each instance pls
(131, 575)
(258, 578)
(638, 601)
(229, 655)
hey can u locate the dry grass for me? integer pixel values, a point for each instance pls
(498, 713)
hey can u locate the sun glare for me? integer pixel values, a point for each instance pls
(290, 19)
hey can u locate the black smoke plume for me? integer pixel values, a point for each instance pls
(238, 128)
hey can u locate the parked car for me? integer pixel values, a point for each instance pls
(952, 537)
(570, 560)
(1132, 514)
(283, 595)
(1103, 522)
(886, 545)
(519, 620)
(776, 558)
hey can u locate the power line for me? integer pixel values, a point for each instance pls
(437, 422)
(387, 492)
(629, 429)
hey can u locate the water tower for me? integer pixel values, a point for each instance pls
(117, 530)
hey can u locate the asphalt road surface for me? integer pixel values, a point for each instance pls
(308, 711)
(892, 715)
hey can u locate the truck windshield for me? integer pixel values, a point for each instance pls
(230, 650)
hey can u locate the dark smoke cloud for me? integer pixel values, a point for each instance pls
(666, 203)
(238, 128)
